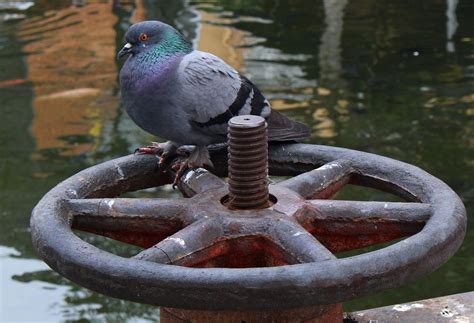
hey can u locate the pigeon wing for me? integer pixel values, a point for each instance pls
(212, 92)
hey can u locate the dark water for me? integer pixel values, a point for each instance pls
(391, 77)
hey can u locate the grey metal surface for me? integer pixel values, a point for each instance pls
(458, 308)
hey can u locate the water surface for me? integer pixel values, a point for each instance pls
(394, 78)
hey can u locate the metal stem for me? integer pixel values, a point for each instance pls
(248, 162)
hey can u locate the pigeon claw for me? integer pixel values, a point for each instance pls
(166, 151)
(198, 158)
(165, 158)
(181, 168)
(147, 151)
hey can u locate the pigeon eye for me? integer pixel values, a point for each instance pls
(143, 37)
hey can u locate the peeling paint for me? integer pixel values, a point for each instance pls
(459, 306)
(188, 175)
(119, 171)
(71, 193)
(179, 241)
(329, 166)
(401, 308)
(200, 172)
(110, 203)
(417, 305)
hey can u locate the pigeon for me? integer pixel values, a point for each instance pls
(187, 96)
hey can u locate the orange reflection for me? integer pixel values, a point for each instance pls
(72, 67)
(325, 128)
(220, 40)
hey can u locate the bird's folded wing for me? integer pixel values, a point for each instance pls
(212, 92)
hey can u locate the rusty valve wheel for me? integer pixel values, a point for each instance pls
(201, 254)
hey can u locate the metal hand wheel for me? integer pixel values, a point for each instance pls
(277, 257)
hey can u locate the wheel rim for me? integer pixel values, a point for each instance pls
(322, 282)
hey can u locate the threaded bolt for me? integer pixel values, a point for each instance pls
(248, 162)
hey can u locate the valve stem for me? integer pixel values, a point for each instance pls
(248, 162)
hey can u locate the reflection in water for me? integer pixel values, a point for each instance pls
(330, 47)
(451, 24)
(362, 74)
(73, 71)
(221, 41)
(330, 65)
(51, 298)
(44, 300)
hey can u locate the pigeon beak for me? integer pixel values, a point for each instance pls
(124, 51)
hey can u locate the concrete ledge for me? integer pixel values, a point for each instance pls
(457, 308)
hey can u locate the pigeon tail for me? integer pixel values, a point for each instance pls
(281, 128)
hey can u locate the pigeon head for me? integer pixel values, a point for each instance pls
(147, 36)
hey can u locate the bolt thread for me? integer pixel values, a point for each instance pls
(248, 163)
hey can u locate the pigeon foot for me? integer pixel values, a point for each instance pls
(198, 158)
(166, 150)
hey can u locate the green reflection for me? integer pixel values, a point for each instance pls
(369, 75)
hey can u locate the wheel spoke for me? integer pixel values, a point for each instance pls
(138, 221)
(183, 248)
(299, 243)
(362, 211)
(348, 225)
(322, 182)
(198, 181)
